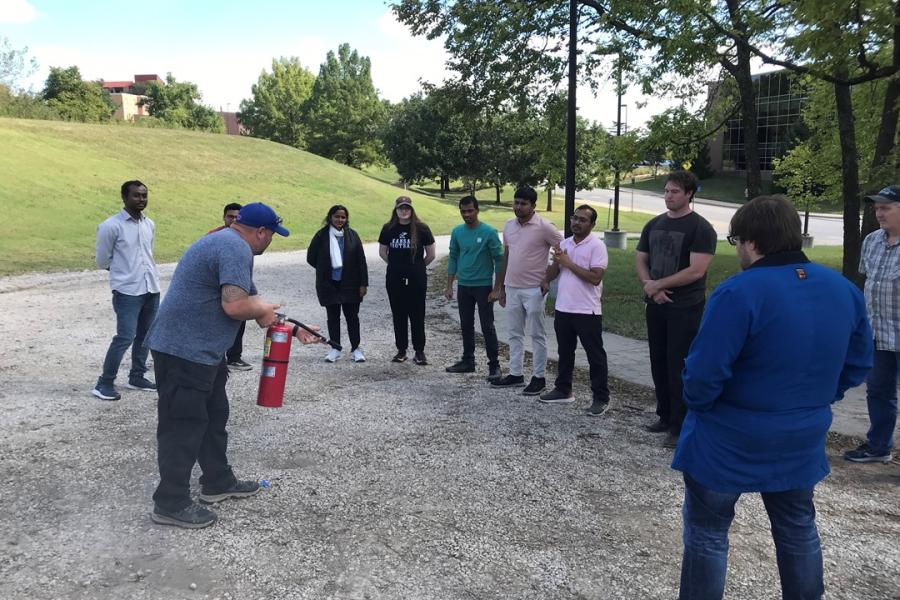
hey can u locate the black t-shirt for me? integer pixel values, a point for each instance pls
(669, 243)
(399, 243)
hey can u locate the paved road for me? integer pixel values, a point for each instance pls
(827, 230)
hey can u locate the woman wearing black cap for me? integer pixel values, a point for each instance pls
(407, 246)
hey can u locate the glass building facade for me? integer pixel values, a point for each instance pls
(779, 102)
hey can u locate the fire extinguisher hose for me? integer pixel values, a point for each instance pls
(297, 324)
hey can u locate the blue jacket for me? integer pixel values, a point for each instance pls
(778, 344)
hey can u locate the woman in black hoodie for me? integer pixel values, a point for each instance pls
(342, 277)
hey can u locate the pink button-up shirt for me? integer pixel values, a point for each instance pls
(529, 247)
(576, 295)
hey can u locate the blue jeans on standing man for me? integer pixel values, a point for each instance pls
(707, 517)
(881, 396)
(134, 315)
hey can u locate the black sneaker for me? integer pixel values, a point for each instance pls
(461, 367)
(509, 381)
(864, 454)
(193, 516)
(141, 383)
(671, 440)
(535, 387)
(239, 365)
(493, 373)
(555, 396)
(240, 489)
(659, 426)
(106, 392)
(419, 359)
(400, 357)
(598, 409)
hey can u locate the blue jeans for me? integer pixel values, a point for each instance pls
(707, 517)
(134, 315)
(881, 396)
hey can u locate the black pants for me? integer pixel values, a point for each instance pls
(406, 294)
(237, 349)
(670, 331)
(570, 328)
(351, 315)
(193, 412)
(467, 299)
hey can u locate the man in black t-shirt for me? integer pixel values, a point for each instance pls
(673, 255)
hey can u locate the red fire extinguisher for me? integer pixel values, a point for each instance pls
(276, 354)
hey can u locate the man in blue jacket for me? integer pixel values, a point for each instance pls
(778, 344)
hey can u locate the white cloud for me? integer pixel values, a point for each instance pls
(16, 12)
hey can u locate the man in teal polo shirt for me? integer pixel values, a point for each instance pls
(475, 255)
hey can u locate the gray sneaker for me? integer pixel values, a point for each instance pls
(240, 489)
(141, 383)
(598, 409)
(192, 516)
(555, 396)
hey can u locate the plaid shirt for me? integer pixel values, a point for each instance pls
(880, 263)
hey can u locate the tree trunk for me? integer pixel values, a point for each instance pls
(883, 172)
(497, 189)
(549, 197)
(441, 185)
(849, 182)
(742, 75)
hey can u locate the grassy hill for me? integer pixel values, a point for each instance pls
(59, 180)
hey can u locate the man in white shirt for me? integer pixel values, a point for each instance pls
(125, 249)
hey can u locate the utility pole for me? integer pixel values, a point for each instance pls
(570, 117)
(618, 134)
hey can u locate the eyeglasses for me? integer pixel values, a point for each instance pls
(733, 240)
(577, 219)
(404, 207)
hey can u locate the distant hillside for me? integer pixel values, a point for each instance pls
(59, 180)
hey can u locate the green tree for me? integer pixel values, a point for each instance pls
(276, 109)
(591, 150)
(811, 171)
(344, 117)
(516, 48)
(75, 100)
(178, 103)
(408, 139)
(15, 65)
(844, 44)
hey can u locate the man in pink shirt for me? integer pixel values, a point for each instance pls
(527, 240)
(580, 262)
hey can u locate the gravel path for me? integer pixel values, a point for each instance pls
(387, 481)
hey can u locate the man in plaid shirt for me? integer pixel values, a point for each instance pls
(880, 263)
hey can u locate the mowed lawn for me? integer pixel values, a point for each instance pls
(623, 305)
(59, 180)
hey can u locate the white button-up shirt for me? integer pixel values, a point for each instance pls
(125, 248)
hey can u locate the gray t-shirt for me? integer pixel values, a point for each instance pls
(191, 323)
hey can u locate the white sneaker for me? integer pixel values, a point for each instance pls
(358, 356)
(332, 355)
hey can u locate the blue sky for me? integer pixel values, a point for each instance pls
(222, 46)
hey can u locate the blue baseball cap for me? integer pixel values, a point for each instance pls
(888, 194)
(257, 214)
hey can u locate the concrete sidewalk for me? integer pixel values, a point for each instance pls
(629, 360)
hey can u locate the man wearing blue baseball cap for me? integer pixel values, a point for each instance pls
(880, 263)
(211, 293)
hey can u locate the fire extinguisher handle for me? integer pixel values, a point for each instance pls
(296, 323)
